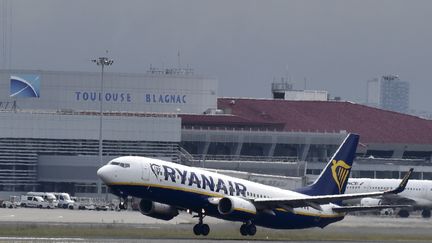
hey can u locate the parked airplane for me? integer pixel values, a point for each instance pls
(166, 188)
(418, 193)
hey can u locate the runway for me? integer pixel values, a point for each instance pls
(71, 240)
(45, 225)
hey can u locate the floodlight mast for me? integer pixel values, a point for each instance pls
(101, 61)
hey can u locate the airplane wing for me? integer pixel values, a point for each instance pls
(316, 201)
(366, 208)
(397, 199)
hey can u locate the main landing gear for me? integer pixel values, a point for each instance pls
(248, 228)
(200, 228)
(403, 213)
(426, 213)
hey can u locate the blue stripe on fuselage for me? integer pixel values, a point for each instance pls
(197, 201)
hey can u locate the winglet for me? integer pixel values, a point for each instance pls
(403, 183)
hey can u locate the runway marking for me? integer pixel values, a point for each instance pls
(41, 239)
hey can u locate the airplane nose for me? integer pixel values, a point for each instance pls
(101, 172)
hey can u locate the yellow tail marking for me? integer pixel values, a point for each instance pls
(340, 171)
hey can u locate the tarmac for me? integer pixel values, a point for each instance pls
(413, 229)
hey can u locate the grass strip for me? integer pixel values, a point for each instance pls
(116, 231)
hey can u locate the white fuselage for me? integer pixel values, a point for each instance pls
(419, 191)
(165, 188)
(162, 174)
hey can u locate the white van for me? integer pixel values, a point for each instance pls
(34, 202)
(46, 196)
(64, 200)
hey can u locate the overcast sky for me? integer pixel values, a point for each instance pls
(335, 45)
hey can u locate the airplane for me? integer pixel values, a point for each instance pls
(166, 187)
(418, 194)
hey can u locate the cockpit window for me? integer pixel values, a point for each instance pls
(124, 165)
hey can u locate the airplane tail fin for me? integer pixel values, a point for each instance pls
(334, 177)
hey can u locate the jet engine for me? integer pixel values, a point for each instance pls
(368, 201)
(236, 207)
(157, 210)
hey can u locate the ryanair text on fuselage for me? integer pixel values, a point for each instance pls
(201, 181)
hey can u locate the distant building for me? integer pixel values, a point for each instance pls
(389, 93)
(373, 93)
(49, 129)
(284, 91)
(50, 120)
(277, 130)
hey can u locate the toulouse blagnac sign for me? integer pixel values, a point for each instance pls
(120, 97)
(107, 97)
(28, 86)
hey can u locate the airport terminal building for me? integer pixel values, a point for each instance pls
(49, 130)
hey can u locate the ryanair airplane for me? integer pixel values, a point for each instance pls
(165, 188)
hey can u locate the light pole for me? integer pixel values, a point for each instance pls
(101, 61)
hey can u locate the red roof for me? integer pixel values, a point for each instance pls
(227, 120)
(372, 124)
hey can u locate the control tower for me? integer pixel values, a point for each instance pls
(284, 91)
(279, 88)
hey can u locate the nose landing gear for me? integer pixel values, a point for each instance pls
(123, 205)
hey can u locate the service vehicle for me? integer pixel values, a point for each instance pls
(47, 196)
(35, 202)
(64, 199)
(13, 202)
